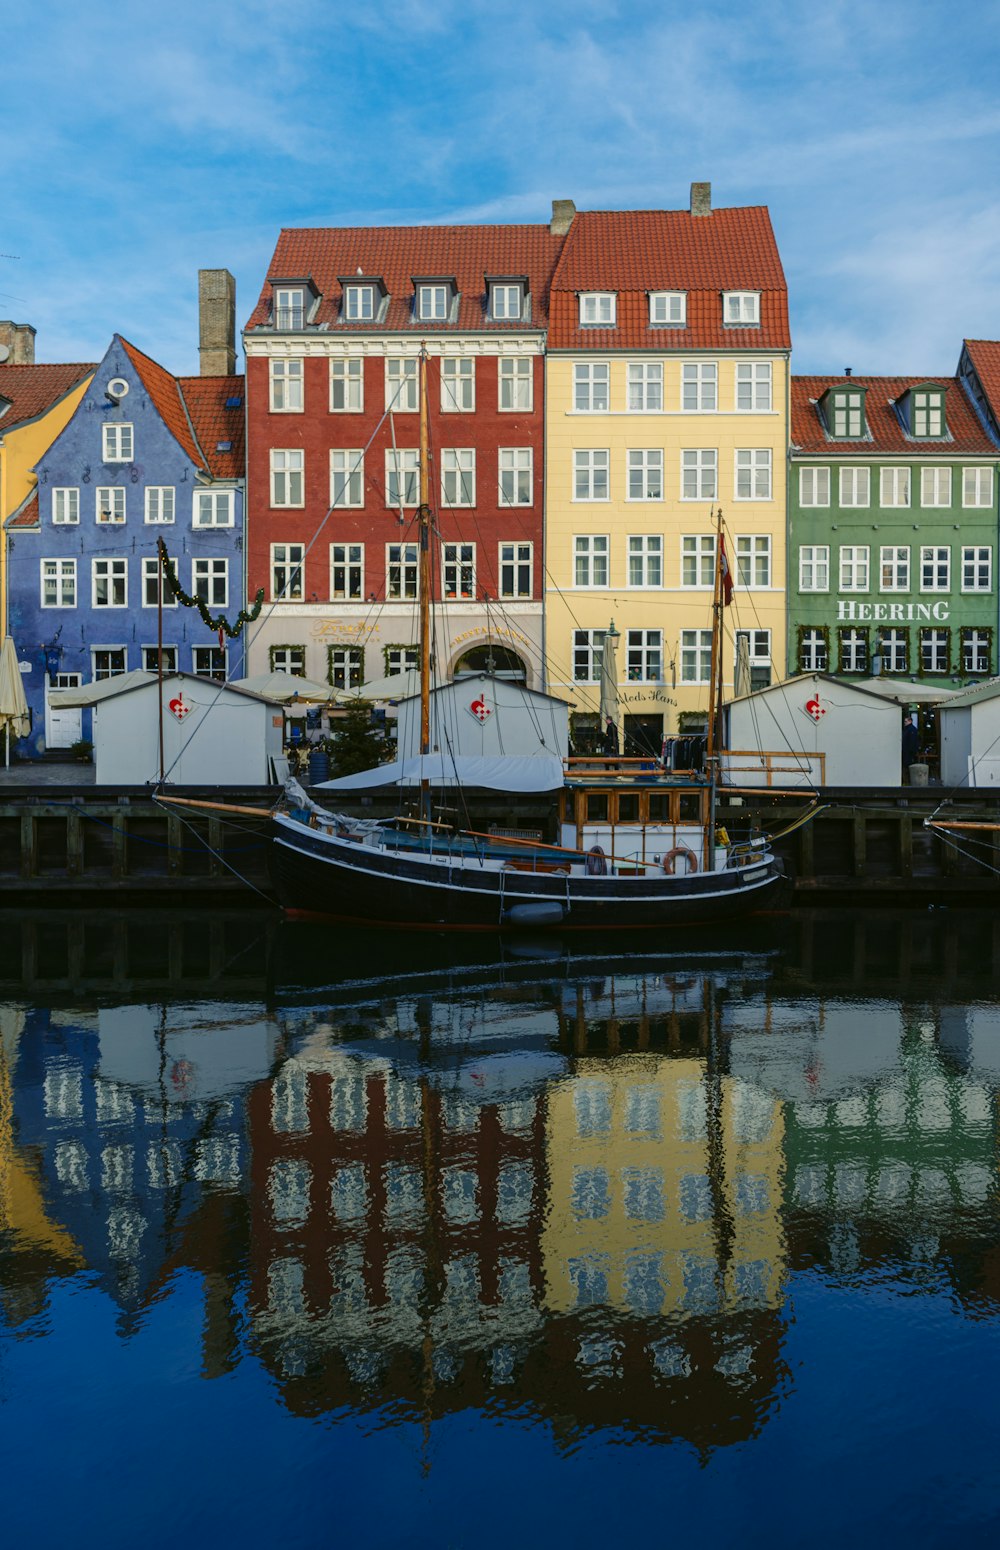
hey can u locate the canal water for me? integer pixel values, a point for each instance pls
(308, 1239)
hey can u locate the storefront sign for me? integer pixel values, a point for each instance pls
(892, 613)
(481, 632)
(333, 629)
(647, 696)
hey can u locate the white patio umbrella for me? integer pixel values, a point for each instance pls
(609, 679)
(14, 716)
(283, 687)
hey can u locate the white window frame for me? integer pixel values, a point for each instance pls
(978, 481)
(644, 557)
(752, 474)
(458, 384)
(854, 562)
(515, 560)
(291, 560)
(360, 305)
(975, 641)
(219, 504)
(113, 569)
(401, 659)
(433, 301)
(591, 561)
(935, 562)
(753, 387)
(63, 497)
(350, 560)
(149, 658)
(506, 301)
(588, 651)
(934, 483)
(118, 442)
(458, 572)
(347, 469)
(699, 473)
(932, 641)
(644, 387)
(928, 414)
(516, 476)
(758, 655)
(598, 309)
(289, 309)
(591, 474)
(668, 309)
(402, 384)
(848, 414)
(288, 477)
(699, 387)
(753, 561)
(402, 477)
(158, 497)
(346, 667)
(99, 674)
(458, 476)
(644, 656)
(63, 578)
(212, 572)
(516, 383)
(853, 651)
(894, 560)
(741, 309)
(286, 384)
(591, 387)
(818, 477)
(151, 584)
(402, 572)
(644, 474)
(698, 559)
(855, 486)
(974, 558)
(891, 480)
(894, 649)
(347, 382)
(696, 656)
(210, 662)
(814, 568)
(288, 659)
(110, 505)
(814, 651)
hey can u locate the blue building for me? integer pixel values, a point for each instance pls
(146, 455)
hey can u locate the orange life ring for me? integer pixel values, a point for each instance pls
(671, 857)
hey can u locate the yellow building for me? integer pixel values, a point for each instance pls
(36, 403)
(666, 398)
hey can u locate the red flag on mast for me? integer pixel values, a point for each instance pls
(725, 573)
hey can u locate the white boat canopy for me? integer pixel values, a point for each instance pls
(525, 772)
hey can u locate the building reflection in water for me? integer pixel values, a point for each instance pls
(573, 1190)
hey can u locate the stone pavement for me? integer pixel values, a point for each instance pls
(29, 775)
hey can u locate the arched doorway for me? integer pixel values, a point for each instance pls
(498, 661)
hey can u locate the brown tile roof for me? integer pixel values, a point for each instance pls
(27, 513)
(887, 435)
(985, 357)
(34, 389)
(166, 396)
(635, 251)
(213, 423)
(399, 254)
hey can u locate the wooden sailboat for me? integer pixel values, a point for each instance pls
(637, 846)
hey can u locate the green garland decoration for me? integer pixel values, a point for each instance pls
(216, 622)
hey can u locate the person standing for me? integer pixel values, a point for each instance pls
(611, 740)
(911, 744)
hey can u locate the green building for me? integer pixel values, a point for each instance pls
(892, 547)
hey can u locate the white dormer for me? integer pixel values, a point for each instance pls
(506, 299)
(741, 309)
(433, 298)
(598, 309)
(668, 309)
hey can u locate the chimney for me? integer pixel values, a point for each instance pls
(216, 322)
(563, 211)
(17, 344)
(701, 198)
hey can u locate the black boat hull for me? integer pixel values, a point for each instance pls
(320, 876)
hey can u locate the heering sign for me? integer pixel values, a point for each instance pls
(892, 613)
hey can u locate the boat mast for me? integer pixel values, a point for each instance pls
(160, 552)
(714, 697)
(424, 584)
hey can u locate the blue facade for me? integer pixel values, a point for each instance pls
(82, 577)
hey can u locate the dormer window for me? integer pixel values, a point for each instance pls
(433, 301)
(290, 308)
(927, 412)
(506, 300)
(845, 414)
(667, 309)
(359, 303)
(741, 309)
(597, 309)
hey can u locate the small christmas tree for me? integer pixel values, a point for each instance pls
(356, 744)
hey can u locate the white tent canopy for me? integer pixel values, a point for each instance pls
(526, 772)
(280, 688)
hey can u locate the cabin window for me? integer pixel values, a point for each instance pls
(628, 807)
(689, 806)
(597, 807)
(659, 807)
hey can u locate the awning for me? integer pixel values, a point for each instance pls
(524, 772)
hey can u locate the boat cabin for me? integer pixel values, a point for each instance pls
(637, 814)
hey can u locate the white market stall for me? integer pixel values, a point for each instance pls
(483, 717)
(214, 734)
(813, 730)
(970, 737)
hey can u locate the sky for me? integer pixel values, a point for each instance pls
(142, 143)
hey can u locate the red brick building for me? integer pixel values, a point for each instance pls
(333, 348)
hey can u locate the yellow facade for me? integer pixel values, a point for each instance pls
(20, 449)
(575, 603)
(664, 1189)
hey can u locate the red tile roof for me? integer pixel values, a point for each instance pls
(399, 254)
(213, 423)
(34, 389)
(632, 252)
(26, 514)
(985, 357)
(886, 432)
(166, 396)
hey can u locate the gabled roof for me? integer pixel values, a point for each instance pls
(797, 679)
(985, 357)
(633, 252)
(31, 390)
(974, 694)
(27, 514)
(400, 254)
(213, 422)
(165, 393)
(886, 435)
(139, 678)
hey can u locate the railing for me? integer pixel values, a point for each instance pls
(763, 766)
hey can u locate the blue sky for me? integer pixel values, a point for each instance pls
(143, 143)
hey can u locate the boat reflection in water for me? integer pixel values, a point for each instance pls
(567, 1189)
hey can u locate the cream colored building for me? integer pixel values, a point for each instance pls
(666, 398)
